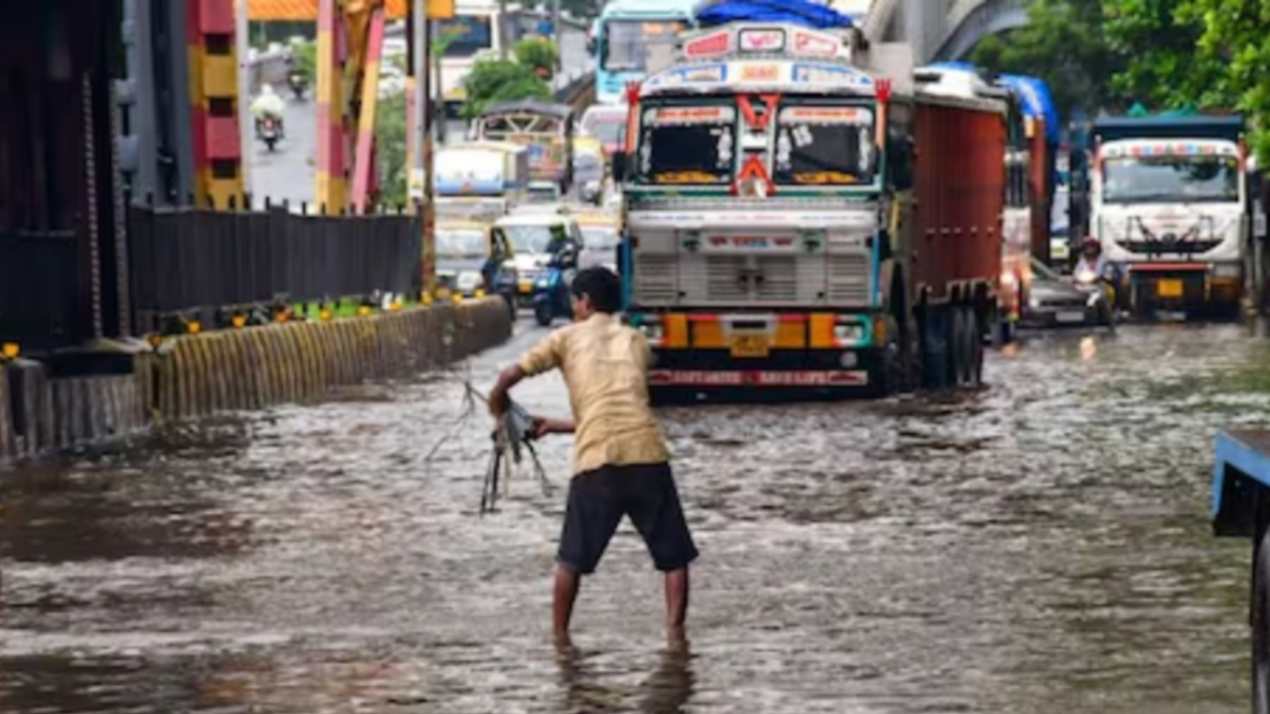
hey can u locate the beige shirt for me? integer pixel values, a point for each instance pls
(605, 365)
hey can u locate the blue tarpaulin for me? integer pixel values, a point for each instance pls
(1037, 102)
(802, 12)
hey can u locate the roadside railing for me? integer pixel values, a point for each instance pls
(192, 263)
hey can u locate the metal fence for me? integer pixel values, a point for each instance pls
(195, 261)
(39, 288)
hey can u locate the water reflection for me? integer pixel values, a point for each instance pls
(588, 687)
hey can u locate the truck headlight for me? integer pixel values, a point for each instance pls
(848, 332)
(653, 332)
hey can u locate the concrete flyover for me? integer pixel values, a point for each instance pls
(940, 30)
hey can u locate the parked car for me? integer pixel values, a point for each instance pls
(1054, 300)
(534, 237)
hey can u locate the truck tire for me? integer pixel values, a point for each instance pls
(1260, 619)
(936, 347)
(542, 313)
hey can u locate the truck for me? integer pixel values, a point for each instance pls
(628, 34)
(480, 181)
(799, 226)
(1169, 203)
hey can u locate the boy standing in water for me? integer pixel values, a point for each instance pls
(621, 464)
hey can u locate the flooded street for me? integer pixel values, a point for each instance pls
(1040, 546)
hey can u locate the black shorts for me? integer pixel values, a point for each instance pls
(597, 501)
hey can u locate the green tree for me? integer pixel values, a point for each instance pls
(1065, 44)
(1159, 39)
(538, 53)
(494, 80)
(1215, 57)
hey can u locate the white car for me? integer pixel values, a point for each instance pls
(533, 238)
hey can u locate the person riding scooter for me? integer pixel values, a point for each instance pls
(551, 292)
(1096, 277)
(267, 108)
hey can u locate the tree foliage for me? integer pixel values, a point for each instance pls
(495, 80)
(1106, 55)
(1063, 43)
(538, 53)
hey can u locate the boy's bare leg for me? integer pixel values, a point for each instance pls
(564, 594)
(676, 603)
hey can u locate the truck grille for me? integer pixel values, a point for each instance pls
(779, 281)
(656, 278)
(849, 279)
(725, 278)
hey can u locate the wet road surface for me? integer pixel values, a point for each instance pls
(1040, 546)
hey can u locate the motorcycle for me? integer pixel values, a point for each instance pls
(1100, 289)
(299, 82)
(269, 130)
(551, 291)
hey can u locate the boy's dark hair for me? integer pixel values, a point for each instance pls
(602, 286)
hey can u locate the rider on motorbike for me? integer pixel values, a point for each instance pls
(1094, 275)
(268, 105)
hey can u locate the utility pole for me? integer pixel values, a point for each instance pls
(246, 128)
(498, 27)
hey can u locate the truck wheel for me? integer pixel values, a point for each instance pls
(936, 348)
(1261, 627)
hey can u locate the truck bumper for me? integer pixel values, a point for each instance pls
(1182, 287)
(688, 376)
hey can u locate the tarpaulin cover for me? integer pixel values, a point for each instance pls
(1037, 102)
(802, 12)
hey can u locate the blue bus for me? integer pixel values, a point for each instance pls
(625, 35)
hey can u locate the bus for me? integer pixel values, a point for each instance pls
(628, 34)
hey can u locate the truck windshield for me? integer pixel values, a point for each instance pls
(687, 145)
(1167, 179)
(535, 239)
(470, 33)
(824, 146)
(627, 42)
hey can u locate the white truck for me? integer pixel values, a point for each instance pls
(1169, 203)
(481, 180)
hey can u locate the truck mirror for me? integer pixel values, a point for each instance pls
(619, 166)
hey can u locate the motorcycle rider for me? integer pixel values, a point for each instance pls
(1091, 266)
(268, 105)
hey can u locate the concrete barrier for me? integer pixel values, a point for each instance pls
(251, 368)
(297, 362)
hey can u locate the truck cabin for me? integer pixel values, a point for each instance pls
(1161, 160)
(758, 110)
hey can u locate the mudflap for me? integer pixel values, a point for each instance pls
(936, 347)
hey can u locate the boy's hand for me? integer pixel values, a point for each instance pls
(541, 427)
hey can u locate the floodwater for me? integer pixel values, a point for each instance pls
(1039, 546)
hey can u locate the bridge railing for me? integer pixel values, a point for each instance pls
(196, 263)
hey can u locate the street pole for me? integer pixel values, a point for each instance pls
(498, 29)
(246, 130)
(429, 208)
(555, 29)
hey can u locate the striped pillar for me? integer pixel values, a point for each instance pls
(363, 166)
(331, 185)
(213, 87)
